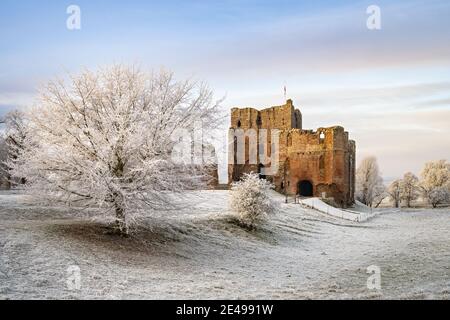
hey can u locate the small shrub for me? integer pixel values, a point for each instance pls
(250, 199)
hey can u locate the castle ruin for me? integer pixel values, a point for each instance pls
(318, 163)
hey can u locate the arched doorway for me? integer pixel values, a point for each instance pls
(305, 188)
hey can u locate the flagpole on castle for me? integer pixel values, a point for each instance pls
(285, 91)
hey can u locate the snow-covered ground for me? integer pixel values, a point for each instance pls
(198, 252)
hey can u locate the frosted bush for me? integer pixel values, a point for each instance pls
(250, 199)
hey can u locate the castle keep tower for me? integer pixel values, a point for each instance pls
(317, 163)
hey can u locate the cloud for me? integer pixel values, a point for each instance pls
(329, 41)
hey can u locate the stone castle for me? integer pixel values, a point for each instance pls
(317, 163)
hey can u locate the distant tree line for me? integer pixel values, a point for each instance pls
(433, 185)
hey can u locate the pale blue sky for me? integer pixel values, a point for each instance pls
(390, 88)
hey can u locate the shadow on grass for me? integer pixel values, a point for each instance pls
(161, 236)
(99, 235)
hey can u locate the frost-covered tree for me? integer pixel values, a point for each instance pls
(106, 141)
(409, 188)
(439, 195)
(435, 174)
(369, 184)
(4, 181)
(435, 181)
(394, 191)
(380, 193)
(15, 132)
(250, 199)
